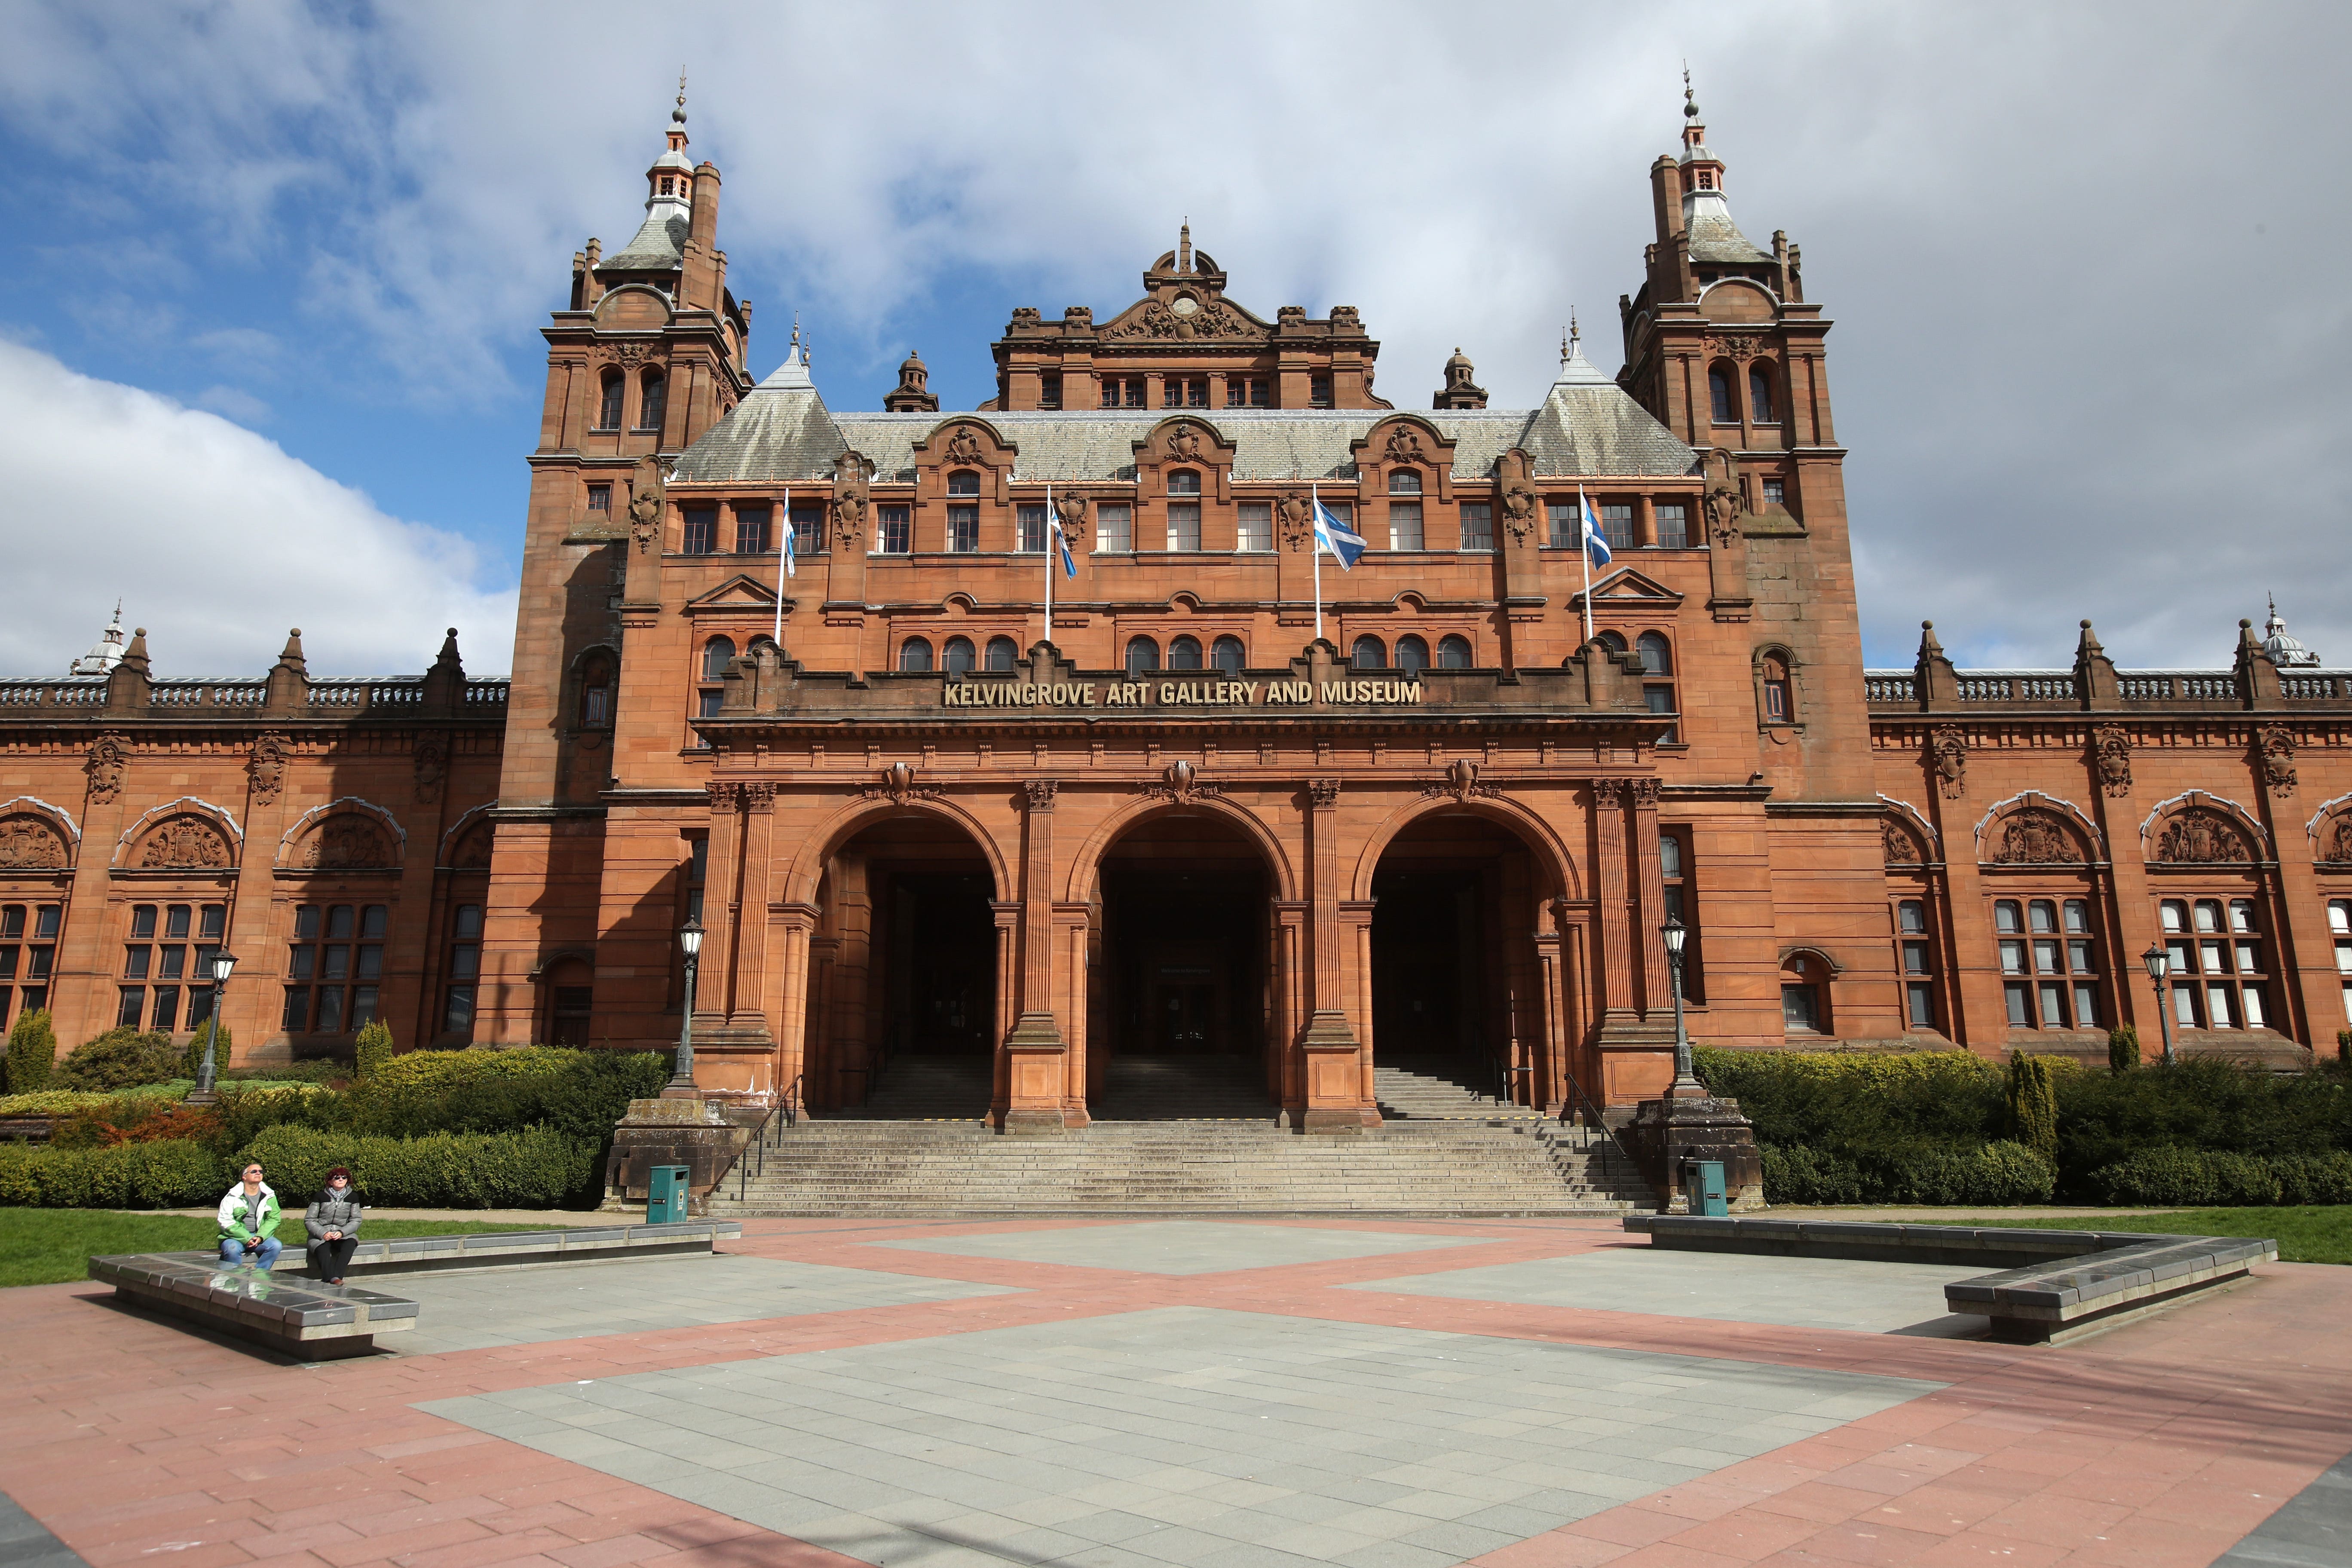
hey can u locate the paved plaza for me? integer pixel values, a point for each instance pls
(1187, 1394)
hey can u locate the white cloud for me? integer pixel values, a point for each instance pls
(232, 402)
(216, 541)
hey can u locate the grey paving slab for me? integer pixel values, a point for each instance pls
(26, 1541)
(1181, 1245)
(475, 1310)
(1796, 1293)
(2313, 1530)
(1258, 1476)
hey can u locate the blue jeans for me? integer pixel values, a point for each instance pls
(233, 1252)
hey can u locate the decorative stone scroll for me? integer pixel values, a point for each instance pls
(1948, 751)
(852, 496)
(1295, 518)
(266, 766)
(898, 787)
(2276, 745)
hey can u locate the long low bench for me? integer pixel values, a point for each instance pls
(290, 1312)
(2048, 1285)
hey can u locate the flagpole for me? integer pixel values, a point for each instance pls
(1315, 530)
(785, 561)
(1584, 548)
(1047, 542)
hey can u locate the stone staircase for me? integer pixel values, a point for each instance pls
(1171, 1137)
(1440, 1090)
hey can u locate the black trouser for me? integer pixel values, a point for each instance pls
(330, 1259)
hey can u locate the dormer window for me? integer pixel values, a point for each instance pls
(963, 482)
(1184, 482)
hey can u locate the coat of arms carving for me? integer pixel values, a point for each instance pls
(183, 844)
(1948, 750)
(109, 759)
(2033, 836)
(2200, 836)
(28, 843)
(2111, 750)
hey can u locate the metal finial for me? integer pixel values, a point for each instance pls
(678, 115)
(1573, 335)
(1563, 348)
(1690, 104)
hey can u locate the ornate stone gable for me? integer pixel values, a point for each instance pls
(1183, 319)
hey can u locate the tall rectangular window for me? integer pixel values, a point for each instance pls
(600, 497)
(1318, 392)
(1033, 529)
(1404, 525)
(964, 529)
(892, 533)
(752, 527)
(808, 528)
(1114, 527)
(700, 535)
(1561, 514)
(1682, 904)
(1674, 526)
(1617, 526)
(334, 967)
(2052, 945)
(1477, 525)
(1254, 525)
(1183, 525)
(2221, 967)
(464, 969)
(1049, 392)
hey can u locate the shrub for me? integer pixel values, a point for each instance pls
(2344, 1048)
(539, 1168)
(2314, 1178)
(120, 1059)
(2123, 1049)
(32, 1053)
(582, 1093)
(59, 1101)
(1802, 1175)
(2034, 1104)
(223, 1045)
(127, 1177)
(2190, 1178)
(1851, 1100)
(372, 1049)
(320, 1071)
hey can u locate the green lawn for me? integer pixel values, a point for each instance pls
(50, 1247)
(2320, 1234)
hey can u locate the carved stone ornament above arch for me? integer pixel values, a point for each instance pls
(1185, 439)
(1185, 319)
(1908, 838)
(967, 441)
(2330, 828)
(57, 818)
(467, 845)
(2037, 829)
(345, 835)
(36, 837)
(2195, 828)
(185, 835)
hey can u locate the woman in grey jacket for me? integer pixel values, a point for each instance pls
(333, 1221)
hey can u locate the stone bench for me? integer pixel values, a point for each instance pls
(508, 1248)
(307, 1320)
(2047, 1286)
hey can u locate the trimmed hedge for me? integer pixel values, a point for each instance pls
(175, 1175)
(60, 1102)
(117, 1059)
(534, 1169)
(1999, 1174)
(2211, 1178)
(372, 1049)
(32, 1053)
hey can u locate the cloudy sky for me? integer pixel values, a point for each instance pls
(270, 353)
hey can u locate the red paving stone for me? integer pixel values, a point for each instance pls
(2162, 1442)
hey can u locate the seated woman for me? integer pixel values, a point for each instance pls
(333, 1221)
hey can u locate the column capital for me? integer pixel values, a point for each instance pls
(1324, 794)
(1039, 793)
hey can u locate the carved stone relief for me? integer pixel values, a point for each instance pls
(29, 844)
(184, 843)
(1214, 319)
(2200, 836)
(1461, 782)
(1323, 793)
(1179, 784)
(964, 446)
(432, 766)
(898, 784)
(646, 493)
(1296, 518)
(266, 767)
(2277, 744)
(347, 842)
(473, 850)
(1039, 793)
(2111, 750)
(2336, 839)
(2032, 837)
(851, 496)
(1403, 446)
(1185, 444)
(1073, 510)
(1900, 845)
(1520, 508)
(109, 759)
(1948, 750)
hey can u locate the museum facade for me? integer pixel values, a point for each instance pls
(929, 784)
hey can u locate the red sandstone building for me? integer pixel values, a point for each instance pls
(1185, 827)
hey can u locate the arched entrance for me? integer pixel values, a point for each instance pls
(1179, 998)
(903, 1006)
(1458, 981)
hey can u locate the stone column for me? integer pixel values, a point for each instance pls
(750, 981)
(795, 927)
(714, 969)
(1356, 921)
(1334, 1074)
(1290, 1008)
(1650, 911)
(1073, 932)
(1034, 1053)
(1007, 919)
(1616, 977)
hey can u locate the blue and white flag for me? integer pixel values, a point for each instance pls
(1596, 543)
(1061, 539)
(790, 569)
(1340, 538)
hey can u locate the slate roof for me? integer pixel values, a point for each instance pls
(659, 242)
(1714, 237)
(782, 432)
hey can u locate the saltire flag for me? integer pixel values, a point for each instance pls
(790, 569)
(1338, 537)
(1596, 543)
(1061, 539)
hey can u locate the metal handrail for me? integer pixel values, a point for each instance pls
(753, 1158)
(1592, 1117)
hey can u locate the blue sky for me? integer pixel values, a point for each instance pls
(272, 344)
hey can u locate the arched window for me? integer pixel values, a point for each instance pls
(1184, 482)
(1229, 656)
(1657, 687)
(1453, 653)
(1759, 394)
(1002, 652)
(957, 657)
(1370, 653)
(716, 653)
(652, 402)
(1657, 654)
(1718, 391)
(1142, 655)
(1803, 1010)
(1779, 700)
(1411, 654)
(1185, 652)
(608, 403)
(914, 655)
(1404, 481)
(963, 482)
(596, 694)
(1613, 641)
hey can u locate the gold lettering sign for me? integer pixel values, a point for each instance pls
(1177, 693)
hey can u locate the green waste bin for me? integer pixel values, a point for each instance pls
(1703, 1186)
(666, 1191)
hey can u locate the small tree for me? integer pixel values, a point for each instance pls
(372, 1049)
(2034, 1104)
(195, 1061)
(120, 1059)
(2123, 1047)
(32, 1053)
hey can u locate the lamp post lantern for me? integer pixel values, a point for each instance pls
(222, 966)
(681, 1082)
(1685, 1080)
(2158, 960)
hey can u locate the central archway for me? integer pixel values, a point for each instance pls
(1180, 995)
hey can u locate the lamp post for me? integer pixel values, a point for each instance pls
(2158, 960)
(222, 966)
(1685, 1081)
(681, 1082)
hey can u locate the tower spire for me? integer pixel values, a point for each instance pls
(1184, 247)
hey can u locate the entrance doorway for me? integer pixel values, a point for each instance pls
(1178, 992)
(1454, 977)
